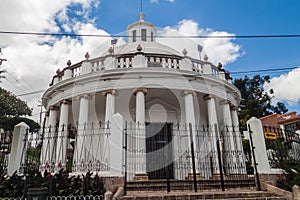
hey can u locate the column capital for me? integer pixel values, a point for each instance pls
(85, 96)
(66, 101)
(186, 92)
(144, 90)
(56, 108)
(225, 102)
(208, 97)
(111, 91)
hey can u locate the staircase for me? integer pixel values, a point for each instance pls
(208, 195)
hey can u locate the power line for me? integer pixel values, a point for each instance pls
(159, 36)
(263, 70)
(30, 93)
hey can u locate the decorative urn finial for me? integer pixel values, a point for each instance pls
(205, 58)
(139, 48)
(87, 55)
(110, 50)
(185, 52)
(69, 63)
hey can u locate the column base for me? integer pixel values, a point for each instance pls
(141, 177)
(190, 176)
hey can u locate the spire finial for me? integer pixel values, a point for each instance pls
(141, 15)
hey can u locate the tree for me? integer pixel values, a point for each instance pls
(257, 101)
(11, 108)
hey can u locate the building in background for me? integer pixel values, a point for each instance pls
(288, 121)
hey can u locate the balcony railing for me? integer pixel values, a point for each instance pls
(138, 60)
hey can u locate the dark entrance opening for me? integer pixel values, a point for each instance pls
(159, 156)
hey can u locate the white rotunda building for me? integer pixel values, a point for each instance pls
(134, 108)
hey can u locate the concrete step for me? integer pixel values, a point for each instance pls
(208, 195)
(160, 185)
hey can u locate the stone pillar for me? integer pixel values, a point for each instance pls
(229, 144)
(212, 121)
(140, 134)
(17, 145)
(80, 153)
(260, 150)
(61, 147)
(115, 144)
(52, 135)
(238, 139)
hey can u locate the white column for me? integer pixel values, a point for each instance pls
(110, 105)
(52, 136)
(189, 107)
(190, 118)
(61, 147)
(140, 131)
(229, 145)
(238, 138)
(80, 144)
(104, 138)
(212, 121)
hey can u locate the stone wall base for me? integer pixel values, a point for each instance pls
(113, 183)
(271, 178)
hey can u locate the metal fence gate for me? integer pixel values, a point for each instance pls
(181, 157)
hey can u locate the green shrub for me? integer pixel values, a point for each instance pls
(59, 184)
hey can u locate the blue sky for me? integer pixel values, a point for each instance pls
(33, 60)
(258, 17)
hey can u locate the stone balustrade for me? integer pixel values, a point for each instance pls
(138, 60)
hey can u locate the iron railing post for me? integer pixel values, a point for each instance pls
(166, 155)
(254, 159)
(219, 157)
(125, 159)
(193, 156)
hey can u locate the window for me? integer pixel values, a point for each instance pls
(134, 36)
(152, 37)
(144, 34)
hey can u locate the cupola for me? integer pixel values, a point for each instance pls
(141, 31)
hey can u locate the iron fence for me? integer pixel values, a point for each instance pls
(5, 145)
(281, 144)
(74, 148)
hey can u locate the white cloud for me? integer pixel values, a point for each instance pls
(285, 87)
(33, 60)
(218, 50)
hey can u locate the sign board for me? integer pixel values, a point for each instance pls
(270, 135)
